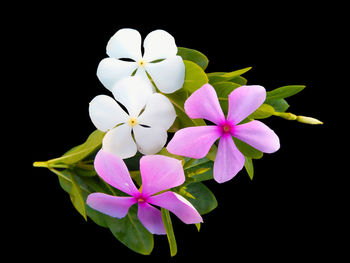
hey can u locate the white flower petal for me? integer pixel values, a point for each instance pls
(120, 142)
(159, 44)
(126, 43)
(133, 93)
(141, 73)
(168, 75)
(105, 113)
(111, 70)
(150, 140)
(159, 112)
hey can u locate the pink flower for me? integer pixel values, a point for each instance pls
(195, 142)
(158, 173)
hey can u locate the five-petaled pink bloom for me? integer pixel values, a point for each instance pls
(158, 173)
(195, 142)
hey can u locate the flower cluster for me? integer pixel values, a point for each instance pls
(212, 119)
(149, 115)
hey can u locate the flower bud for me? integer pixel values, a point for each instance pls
(308, 120)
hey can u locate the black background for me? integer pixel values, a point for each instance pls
(286, 212)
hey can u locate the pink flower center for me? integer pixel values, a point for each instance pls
(226, 127)
(141, 199)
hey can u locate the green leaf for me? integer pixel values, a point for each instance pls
(136, 176)
(223, 90)
(284, 92)
(248, 164)
(198, 225)
(195, 77)
(183, 191)
(129, 231)
(169, 231)
(76, 195)
(204, 201)
(178, 99)
(247, 150)
(264, 111)
(97, 217)
(165, 152)
(212, 153)
(200, 169)
(239, 80)
(280, 105)
(81, 151)
(226, 76)
(193, 55)
(83, 172)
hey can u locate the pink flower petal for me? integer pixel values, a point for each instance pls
(258, 135)
(160, 173)
(243, 101)
(229, 160)
(151, 218)
(110, 205)
(178, 205)
(194, 142)
(204, 104)
(113, 171)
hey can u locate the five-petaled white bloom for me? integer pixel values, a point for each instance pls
(159, 60)
(149, 116)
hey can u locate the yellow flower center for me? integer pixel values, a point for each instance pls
(132, 122)
(141, 63)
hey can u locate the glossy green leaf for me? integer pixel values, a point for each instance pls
(226, 76)
(169, 231)
(204, 201)
(280, 105)
(81, 151)
(284, 92)
(247, 150)
(248, 164)
(264, 111)
(195, 77)
(178, 99)
(129, 231)
(193, 55)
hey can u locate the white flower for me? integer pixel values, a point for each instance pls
(159, 60)
(149, 117)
